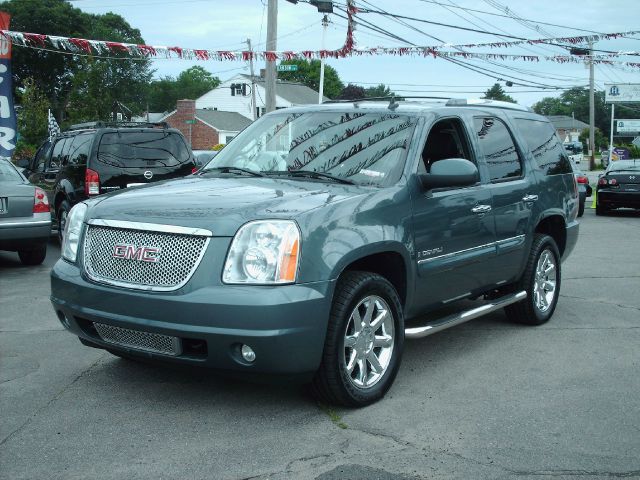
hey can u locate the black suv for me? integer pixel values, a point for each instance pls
(316, 242)
(94, 158)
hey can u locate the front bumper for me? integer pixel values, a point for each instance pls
(284, 325)
(614, 199)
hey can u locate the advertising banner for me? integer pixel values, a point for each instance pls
(621, 92)
(7, 112)
(628, 126)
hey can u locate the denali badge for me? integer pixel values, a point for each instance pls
(148, 174)
(131, 252)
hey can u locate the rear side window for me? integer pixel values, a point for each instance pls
(499, 149)
(143, 149)
(41, 157)
(79, 149)
(59, 152)
(548, 152)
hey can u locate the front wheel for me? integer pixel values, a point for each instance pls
(364, 342)
(541, 280)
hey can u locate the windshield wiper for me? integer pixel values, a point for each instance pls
(318, 175)
(233, 170)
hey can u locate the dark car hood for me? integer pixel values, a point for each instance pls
(221, 205)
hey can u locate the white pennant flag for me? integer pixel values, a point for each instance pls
(54, 128)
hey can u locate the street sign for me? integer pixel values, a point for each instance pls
(287, 68)
(622, 92)
(628, 126)
(190, 122)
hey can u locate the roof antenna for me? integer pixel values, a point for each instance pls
(393, 104)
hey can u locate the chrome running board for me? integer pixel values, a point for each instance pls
(458, 318)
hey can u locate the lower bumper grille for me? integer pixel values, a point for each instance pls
(146, 341)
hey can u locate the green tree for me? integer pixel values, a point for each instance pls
(380, 90)
(191, 83)
(33, 114)
(309, 73)
(63, 77)
(497, 93)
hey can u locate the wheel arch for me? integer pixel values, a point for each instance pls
(555, 226)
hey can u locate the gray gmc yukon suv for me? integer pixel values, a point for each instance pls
(319, 238)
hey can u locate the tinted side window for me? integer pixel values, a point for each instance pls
(41, 157)
(498, 148)
(79, 150)
(57, 155)
(548, 152)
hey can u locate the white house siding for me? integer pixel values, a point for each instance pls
(220, 98)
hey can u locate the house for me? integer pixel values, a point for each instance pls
(204, 128)
(568, 128)
(234, 95)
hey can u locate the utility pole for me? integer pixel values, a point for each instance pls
(254, 107)
(325, 24)
(592, 146)
(270, 71)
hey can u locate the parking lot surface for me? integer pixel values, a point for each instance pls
(484, 400)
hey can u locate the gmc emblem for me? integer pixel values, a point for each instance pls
(141, 254)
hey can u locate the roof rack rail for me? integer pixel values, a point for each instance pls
(485, 102)
(388, 98)
(124, 124)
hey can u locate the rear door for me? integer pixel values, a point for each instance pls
(47, 167)
(126, 158)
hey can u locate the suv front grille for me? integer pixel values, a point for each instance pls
(149, 342)
(117, 256)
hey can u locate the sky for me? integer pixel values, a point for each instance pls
(226, 24)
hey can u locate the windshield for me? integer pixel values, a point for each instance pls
(143, 149)
(364, 148)
(8, 174)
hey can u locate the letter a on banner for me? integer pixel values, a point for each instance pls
(7, 112)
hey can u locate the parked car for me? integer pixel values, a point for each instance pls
(575, 151)
(203, 157)
(25, 221)
(95, 158)
(312, 263)
(584, 189)
(619, 186)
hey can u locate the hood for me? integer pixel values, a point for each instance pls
(221, 205)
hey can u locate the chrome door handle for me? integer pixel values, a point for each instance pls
(530, 198)
(481, 209)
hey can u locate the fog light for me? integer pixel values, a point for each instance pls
(63, 319)
(247, 353)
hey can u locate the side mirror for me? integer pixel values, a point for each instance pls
(450, 172)
(23, 163)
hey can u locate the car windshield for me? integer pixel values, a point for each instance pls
(361, 148)
(8, 174)
(621, 165)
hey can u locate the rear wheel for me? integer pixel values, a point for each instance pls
(364, 342)
(600, 210)
(33, 256)
(581, 207)
(541, 280)
(62, 214)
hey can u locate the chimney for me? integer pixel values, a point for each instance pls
(186, 108)
(263, 72)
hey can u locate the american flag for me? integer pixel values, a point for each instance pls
(54, 128)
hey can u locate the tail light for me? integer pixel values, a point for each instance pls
(194, 170)
(91, 182)
(582, 179)
(40, 202)
(603, 181)
(613, 181)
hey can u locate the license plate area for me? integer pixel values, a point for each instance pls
(4, 205)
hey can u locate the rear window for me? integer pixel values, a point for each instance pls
(142, 149)
(8, 173)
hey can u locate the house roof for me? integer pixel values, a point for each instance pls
(565, 122)
(294, 92)
(223, 121)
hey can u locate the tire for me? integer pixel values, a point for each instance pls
(61, 215)
(346, 375)
(600, 210)
(581, 208)
(34, 256)
(537, 309)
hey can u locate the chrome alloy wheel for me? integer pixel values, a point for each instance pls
(545, 282)
(62, 223)
(368, 341)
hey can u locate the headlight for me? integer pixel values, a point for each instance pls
(72, 231)
(264, 252)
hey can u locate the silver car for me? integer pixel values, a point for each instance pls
(25, 217)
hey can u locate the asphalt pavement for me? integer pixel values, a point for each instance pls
(484, 400)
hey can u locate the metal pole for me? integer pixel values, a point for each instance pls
(592, 146)
(613, 110)
(270, 70)
(325, 24)
(253, 82)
